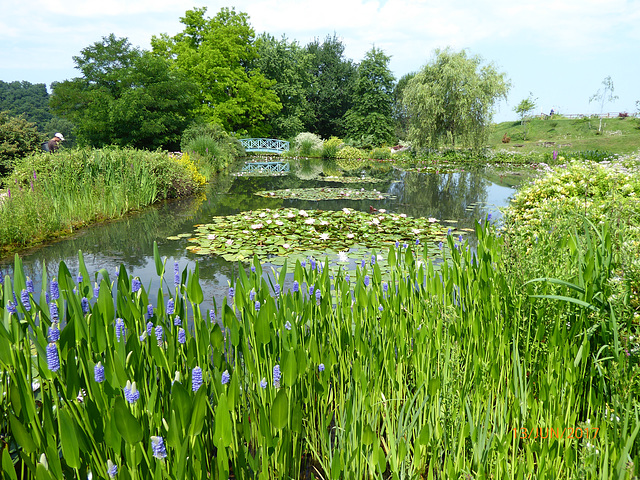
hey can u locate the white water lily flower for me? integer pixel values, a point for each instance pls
(350, 235)
(432, 220)
(291, 215)
(211, 236)
(346, 210)
(403, 215)
(375, 221)
(245, 231)
(310, 221)
(382, 210)
(416, 231)
(324, 236)
(262, 215)
(324, 222)
(342, 257)
(276, 215)
(286, 245)
(269, 221)
(255, 226)
(229, 242)
(246, 217)
(279, 223)
(303, 213)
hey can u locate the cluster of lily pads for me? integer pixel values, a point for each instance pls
(342, 179)
(324, 193)
(273, 235)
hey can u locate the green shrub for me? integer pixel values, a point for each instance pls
(307, 142)
(18, 138)
(380, 153)
(330, 147)
(351, 153)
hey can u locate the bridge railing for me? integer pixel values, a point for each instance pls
(271, 145)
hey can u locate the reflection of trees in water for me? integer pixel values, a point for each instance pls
(444, 196)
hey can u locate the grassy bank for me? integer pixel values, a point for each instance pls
(51, 195)
(475, 368)
(619, 135)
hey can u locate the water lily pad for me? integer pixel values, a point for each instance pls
(327, 193)
(311, 233)
(341, 179)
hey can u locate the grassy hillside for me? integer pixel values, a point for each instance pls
(619, 135)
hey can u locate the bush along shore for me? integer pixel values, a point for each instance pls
(51, 195)
(515, 357)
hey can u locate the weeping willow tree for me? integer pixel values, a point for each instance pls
(451, 100)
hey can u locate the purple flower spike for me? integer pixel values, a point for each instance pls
(318, 297)
(54, 333)
(311, 287)
(98, 373)
(157, 445)
(30, 288)
(276, 376)
(53, 361)
(119, 328)
(212, 315)
(296, 286)
(149, 328)
(182, 336)
(276, 290)
(263, 383)
(225, 377)
(136, 284)
(287, 325)
(53, 311)
(85, 305)
(131, 393)
(55, 290)
(177, 321)
(24, 298)
(321, 367)
(149, 312)
(159, 334)
(196, 378)
(367, 280)
(257, 305)
(170, 307)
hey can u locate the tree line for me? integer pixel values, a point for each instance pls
(218, 71)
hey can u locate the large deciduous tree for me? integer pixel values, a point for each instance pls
(370, 120)
(126, 97)
(18, 137)
(288, 64)
(219, 54)
(28, 99)
(451, 100)
(331, 89)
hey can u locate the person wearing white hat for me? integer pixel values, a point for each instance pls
(54, 142)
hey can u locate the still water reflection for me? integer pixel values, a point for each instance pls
(461, 196)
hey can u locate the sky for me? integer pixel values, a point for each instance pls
(559, 51)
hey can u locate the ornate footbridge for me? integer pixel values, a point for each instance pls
(267, 145)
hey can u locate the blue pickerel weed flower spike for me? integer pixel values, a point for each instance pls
(149, 312)
(79, 278)
(159, 334)
(397, 244)
(257, 305)
(182, 336)
(347, 278)
(170, 307)
(252, 295)
(373, 259)
(212, 315)
(119, 328)
(296, 286)
(276, 289)
(417, 241)
(366, 280)
(54, 333)
(112, 469)
(196, 378)
(440, 245)
(318, 296)
(287, 325)
(85, 305)
(53, 311)
(313, 264)
(263, 383)
(157, 445)
(231, 292)
(53, 361)
(253, 269)
(276, 376)
(11, 307)
(55, 290)
(380, 308)
(149, 328)
(362, 264)
(225, 377)
(131, 393)
(98, 373)
(177, 321)
(321, 367)
(96, 290)
(24, 298)
(30, 288)
(385, 287)
(311, 287)
(404, 245)
(303, 263)
(136, 284)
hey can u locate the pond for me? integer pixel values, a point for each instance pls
(459, 197)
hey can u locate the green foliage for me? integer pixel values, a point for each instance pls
(604, 95)
(219, 55)
(371, 113)
(307, 143)
(26, 98)
(380, 153)
(126, 97)
(451, 100)
(287, 64)
(399, 110)
(18, 137)
(351, 153)
(330, 147)
(523, 109)
(331, 89)
(49, 195)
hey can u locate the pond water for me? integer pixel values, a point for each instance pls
(461, 196)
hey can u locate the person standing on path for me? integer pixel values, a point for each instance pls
(53, 144)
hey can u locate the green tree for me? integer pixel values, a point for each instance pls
(32, 100)
(398, 108)
(370, 116)
(286, 63)
(331, 89)
(18, 138)
(218, 54)
(450, 101)
(602, 96)
(126, 97)
(523, 109)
